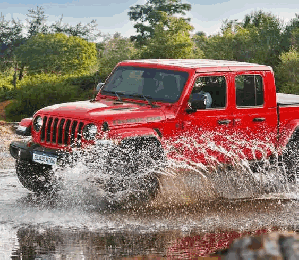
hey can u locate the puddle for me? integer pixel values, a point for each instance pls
(198, 211)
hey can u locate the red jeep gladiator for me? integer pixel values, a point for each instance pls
(221, 107)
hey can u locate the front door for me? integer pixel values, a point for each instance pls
(207, 130)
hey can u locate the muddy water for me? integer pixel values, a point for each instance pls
(76, 224)
(198, 212)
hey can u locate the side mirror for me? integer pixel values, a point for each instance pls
(197, 104)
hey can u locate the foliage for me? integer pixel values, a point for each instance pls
(14, 33)
(171, 39)
(256, 39)
(217, 47)
(265, 31)
(147, 16)
(87, 31)
(37, 22)
(57, 53)
(114, 50)
(37, 25)
(7, 90)
(10, 38)
(60, 64)
(34, 97)
(200, 41)
(42, 90)
(294, 38)
(287, 72)
(291, 34)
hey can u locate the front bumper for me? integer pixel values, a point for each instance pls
(24, 151)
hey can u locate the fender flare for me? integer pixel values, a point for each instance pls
(25, 126)
(129, 133)
(287, 133)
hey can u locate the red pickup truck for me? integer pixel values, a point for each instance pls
(220, 108)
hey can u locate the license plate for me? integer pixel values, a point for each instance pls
(44, 159)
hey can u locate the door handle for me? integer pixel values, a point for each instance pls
(259, 119)
(224, 122)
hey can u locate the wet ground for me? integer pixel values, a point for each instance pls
(76, 223)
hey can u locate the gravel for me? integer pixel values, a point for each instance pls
(7, 135)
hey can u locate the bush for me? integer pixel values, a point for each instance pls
(57, 53)
(7, 93)
(33, 97)
(7, 90)
(35, 92)
(85, 82)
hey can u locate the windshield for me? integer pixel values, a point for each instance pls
(156, 84)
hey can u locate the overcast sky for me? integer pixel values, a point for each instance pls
(111, 15)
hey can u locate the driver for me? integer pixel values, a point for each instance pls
(199, 94)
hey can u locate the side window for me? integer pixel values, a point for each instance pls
(213, 88)
(249, 90)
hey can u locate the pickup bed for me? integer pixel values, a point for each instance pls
(146, 106)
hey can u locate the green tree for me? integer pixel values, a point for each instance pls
(10, 38)
(87, 31)
(113, 50)
(14, 33)
(256, 39)
(291, 34)
(37, 21)
(219, 47)
(147, 16)
(57, 53)
(200, 40)
(265, 31)
(171, 39)
(287, 72)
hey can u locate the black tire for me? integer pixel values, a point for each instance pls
(36, 177)
(291, 161)
(131, 168)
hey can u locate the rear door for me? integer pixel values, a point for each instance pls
(255, 120)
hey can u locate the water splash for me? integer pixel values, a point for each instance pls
(197, 168)
(225, 171)
(8, 241)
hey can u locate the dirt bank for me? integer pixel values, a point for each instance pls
(6, 136)
(3, 104)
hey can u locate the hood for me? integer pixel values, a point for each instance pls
(114, 112)
(79, 107)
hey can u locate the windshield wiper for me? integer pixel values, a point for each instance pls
(116, 93)
(146, 98)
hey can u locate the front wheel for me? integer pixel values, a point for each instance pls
(35, 177)
(132, 168)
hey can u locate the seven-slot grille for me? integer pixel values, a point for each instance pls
(60, 130)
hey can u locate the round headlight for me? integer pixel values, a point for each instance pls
(89, 131)
(37, 123)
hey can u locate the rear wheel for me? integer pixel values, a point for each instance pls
(35, 177)
(291, 161)
(132, 167)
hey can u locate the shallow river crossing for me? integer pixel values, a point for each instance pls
(76, 223)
